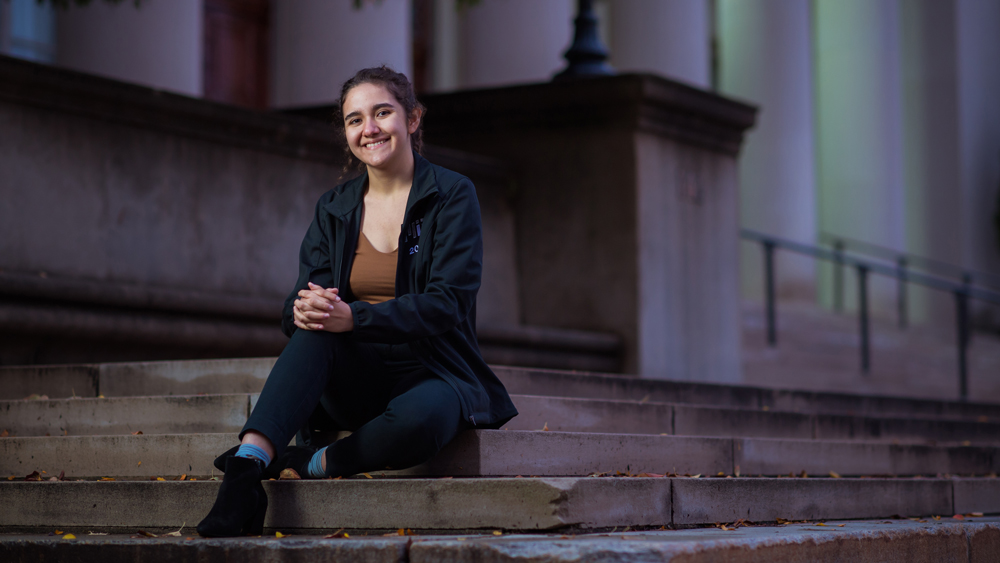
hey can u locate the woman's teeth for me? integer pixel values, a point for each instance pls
(373, 145)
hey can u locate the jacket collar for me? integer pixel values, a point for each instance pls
(352, 194)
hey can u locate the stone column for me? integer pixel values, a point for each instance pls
(318, 44)
(765, 57)
(513, 41)
(859, 115)
(157, 44)
(666, 37)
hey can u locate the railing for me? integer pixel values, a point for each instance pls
(904, 262)
(962, 292)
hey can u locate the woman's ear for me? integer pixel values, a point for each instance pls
(414, 122)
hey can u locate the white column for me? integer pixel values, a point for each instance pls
(979, 137)
(859, 132)
(512, 41)
(319, 44)
(157, 44)
(667, 37)
(765, 57)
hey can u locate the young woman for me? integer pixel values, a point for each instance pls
(381, 321)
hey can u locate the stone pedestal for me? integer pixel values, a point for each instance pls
(626, 211)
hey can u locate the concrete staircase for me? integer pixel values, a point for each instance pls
(589, 452)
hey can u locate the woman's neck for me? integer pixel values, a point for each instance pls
(391, 181)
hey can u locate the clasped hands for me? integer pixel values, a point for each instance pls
(318, 308)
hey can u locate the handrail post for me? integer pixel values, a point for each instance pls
(967, 282)
(863, 316)
(769, 298)
(901, 290)
(838, 275)
(962, 318)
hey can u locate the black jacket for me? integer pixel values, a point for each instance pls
(438, 273)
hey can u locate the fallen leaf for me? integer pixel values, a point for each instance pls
(966, 443)
(107, 478)
(803, 475)
(545, 428)
(59, 532)
(53, 478)
(820, 524)
(958, 517)
(145, 534)
(182, 477)
(696, 476)
(644, 399)
(835, 475)
(974, 515)
(34, 476)
(280, 535)
(138, 464)
(137, 433)
(62, 475)
(97, 533)
(841, 525)
(720, 474)
(936, 517)
(5, 433)
(289, 474)
(11, 478)
(69, 537)
(160, 479)
(737, 470)
(650, 475)
(367, 475)
(497, 533)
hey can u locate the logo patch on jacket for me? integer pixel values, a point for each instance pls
(413, 234)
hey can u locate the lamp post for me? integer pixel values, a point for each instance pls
(587, 56)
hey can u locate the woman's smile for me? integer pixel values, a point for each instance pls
(377, 127)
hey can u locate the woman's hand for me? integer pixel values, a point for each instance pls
(318, 308)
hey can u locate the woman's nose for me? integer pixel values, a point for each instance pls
(371, 128)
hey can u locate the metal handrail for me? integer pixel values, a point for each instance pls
(967, 275)
(962, 292)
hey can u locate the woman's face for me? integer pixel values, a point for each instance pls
(377, 127)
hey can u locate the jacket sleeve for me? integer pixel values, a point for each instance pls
(455, 242)
(314, 263)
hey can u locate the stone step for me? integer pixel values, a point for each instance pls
(973, 540)
(511, 453)
(505, 504)
(247, 375)
(179, 414)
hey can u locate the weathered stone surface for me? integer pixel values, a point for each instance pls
(516, 504)
(977, 495)
(125, 549)
(984, 543)
(117, 456)
(242, 375)
(762, 456)
(591, 415)
(52, 381)
(125, 415)
(500, 452)
(759, 500)
(707, 421)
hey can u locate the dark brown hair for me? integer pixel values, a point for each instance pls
(399, 86)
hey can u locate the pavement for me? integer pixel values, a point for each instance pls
(970, 539)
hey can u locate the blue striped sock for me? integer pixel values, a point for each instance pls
(316, 465)
(250, 450)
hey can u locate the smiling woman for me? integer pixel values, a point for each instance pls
(382, 342)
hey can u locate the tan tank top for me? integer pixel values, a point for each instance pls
(373, 274)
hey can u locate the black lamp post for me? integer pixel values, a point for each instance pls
(587, 56)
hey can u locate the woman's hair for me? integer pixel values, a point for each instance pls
(399, 86)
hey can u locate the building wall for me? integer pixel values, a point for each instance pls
(157, 44)
(319, 44)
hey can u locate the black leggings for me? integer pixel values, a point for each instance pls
(400, 413)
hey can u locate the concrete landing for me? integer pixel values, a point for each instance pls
(509, 504)
(972, 540)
